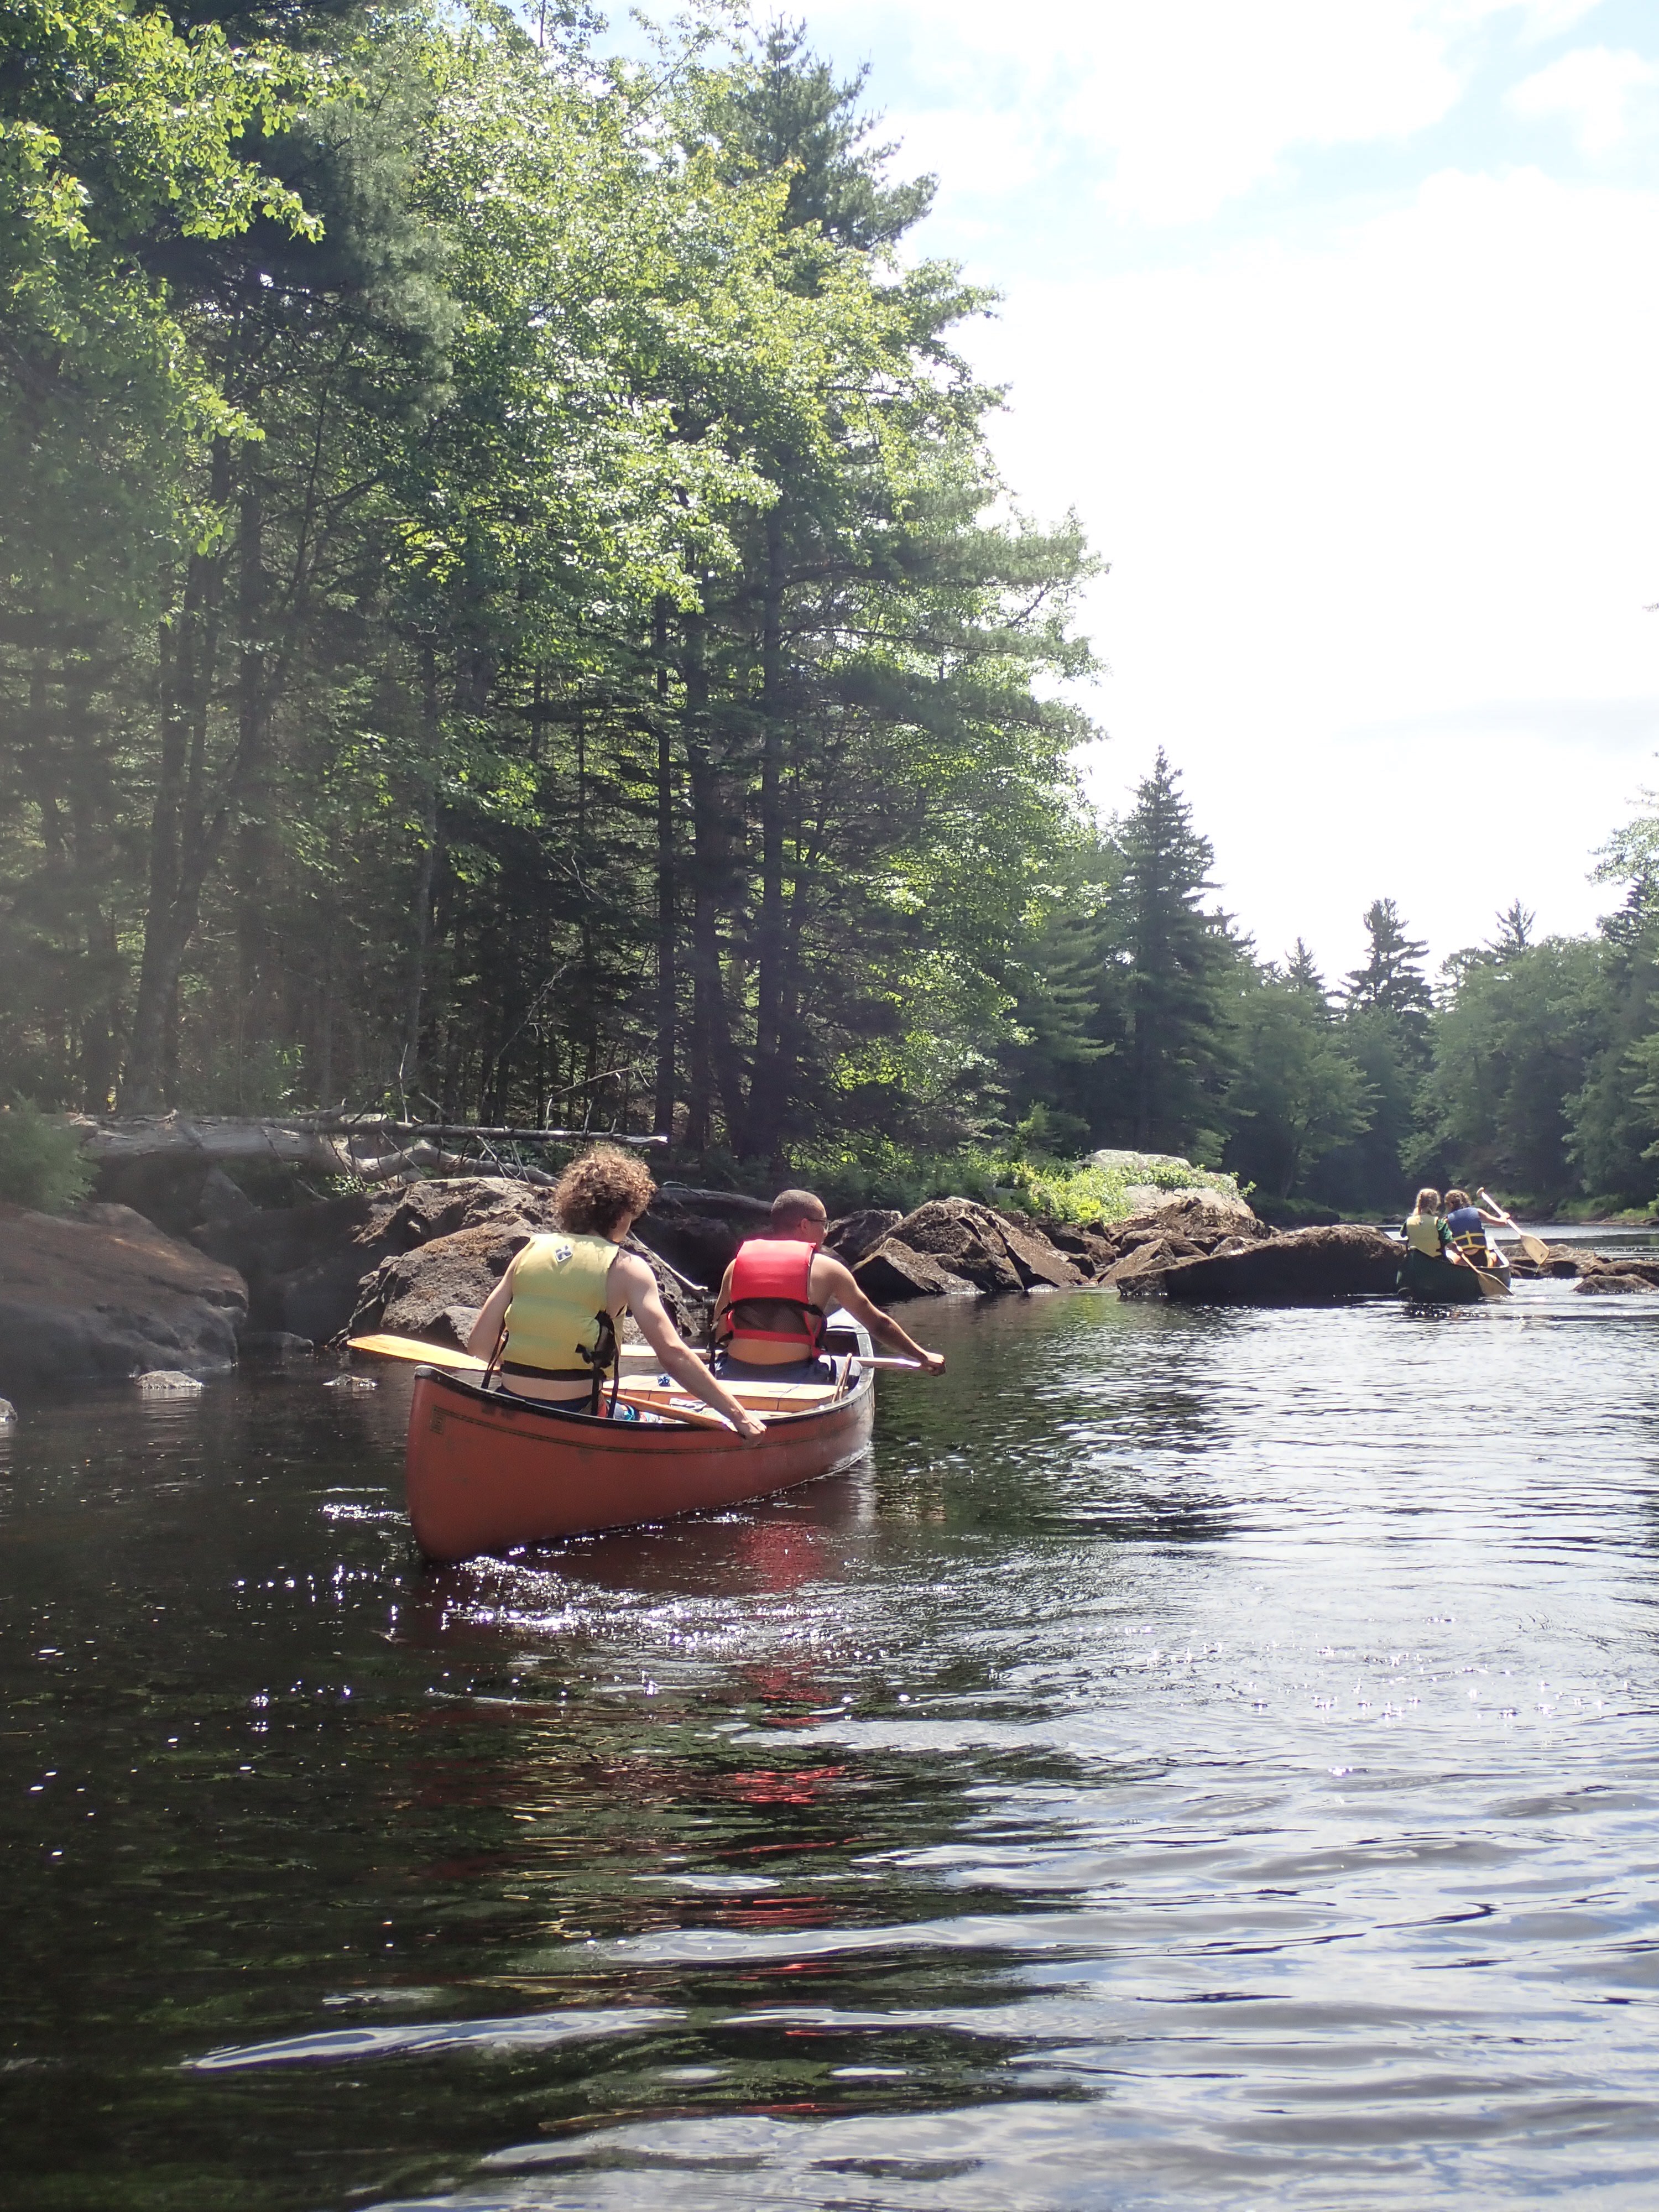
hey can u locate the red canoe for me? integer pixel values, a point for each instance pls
(488, 1472)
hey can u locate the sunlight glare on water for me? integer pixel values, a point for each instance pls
(1200, 1758)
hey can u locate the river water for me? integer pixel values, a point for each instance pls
(1200, 1760)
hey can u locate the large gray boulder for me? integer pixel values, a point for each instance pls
(435, 1291)
(855, 1234)
(698, 1232)
(1304, 1266)
(105, 1296)
(1197, 1202)
(893, 1272)
(306, 1265)
(951, 1245)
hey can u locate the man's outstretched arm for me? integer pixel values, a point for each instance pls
(833, 1285)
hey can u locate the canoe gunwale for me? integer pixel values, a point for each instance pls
(543, 1410)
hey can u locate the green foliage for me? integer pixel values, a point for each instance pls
(1096, 1193)
(849, 1173)
(1171, 964)
(780, 113)
(1513, 1042)
(41, 1162)
(545, 640)
(1127, 993)
(1299, 1094)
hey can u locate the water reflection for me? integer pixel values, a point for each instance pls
(1205, 1756)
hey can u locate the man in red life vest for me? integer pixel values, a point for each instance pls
(768, 1321)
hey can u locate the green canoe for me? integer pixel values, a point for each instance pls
(1437, 1283)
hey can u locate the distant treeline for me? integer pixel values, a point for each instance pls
(506, 608)
(1530, 1064)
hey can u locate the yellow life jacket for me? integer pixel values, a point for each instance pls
(558, 1323)
(1423, 1234)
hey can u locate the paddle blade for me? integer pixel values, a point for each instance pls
(1535, 1248)
(410, 1347)
(1491, 1287)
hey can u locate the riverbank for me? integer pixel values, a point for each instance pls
(106, 1292)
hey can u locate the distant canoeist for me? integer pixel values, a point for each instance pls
(554, 1319)
(1425, 1229)
(1465, 1232)
(768, 1319)
(1436, 1270)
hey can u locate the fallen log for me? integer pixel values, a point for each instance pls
(320, 1142)
(209, 1137)
(350, 1124)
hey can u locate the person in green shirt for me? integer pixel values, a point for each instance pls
(1425, 1229)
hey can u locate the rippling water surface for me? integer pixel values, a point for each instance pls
(1200, 1758)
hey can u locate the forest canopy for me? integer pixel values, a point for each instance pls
(507, 611)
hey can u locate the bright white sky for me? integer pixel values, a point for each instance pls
(1338, 323)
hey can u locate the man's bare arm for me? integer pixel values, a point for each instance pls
(834, 1287)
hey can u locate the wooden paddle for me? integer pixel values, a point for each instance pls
(695, 1417)
(411, 1348)
(1491, 1285)
(465, 1363)
(1535, 1247)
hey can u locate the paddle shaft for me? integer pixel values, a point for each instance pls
(1535, 1247)
(465, 1362)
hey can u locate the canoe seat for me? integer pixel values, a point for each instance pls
(758, 1397)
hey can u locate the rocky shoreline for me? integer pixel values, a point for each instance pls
(201, 1276)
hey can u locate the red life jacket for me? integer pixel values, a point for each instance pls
(771, 1317)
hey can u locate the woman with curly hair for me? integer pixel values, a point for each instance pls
(555, 1318)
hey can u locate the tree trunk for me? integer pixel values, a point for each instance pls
(185, 690)
(255, 845)
(425, 872)
(667, 980)
(721, 1065)
(767, 1099)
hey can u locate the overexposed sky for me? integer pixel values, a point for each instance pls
(1338, 323)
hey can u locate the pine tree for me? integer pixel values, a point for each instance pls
(784, 110)
(1515, 928)
(1392, 977)
(1298, 1095)
(1301, 971)
(1172, 960)
(1385, 1031)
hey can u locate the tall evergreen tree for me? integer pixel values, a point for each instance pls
(1385, 1031)
(783, 113)
(1170, 961)
(1392, 979)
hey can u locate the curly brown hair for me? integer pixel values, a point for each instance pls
(595, 1191)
